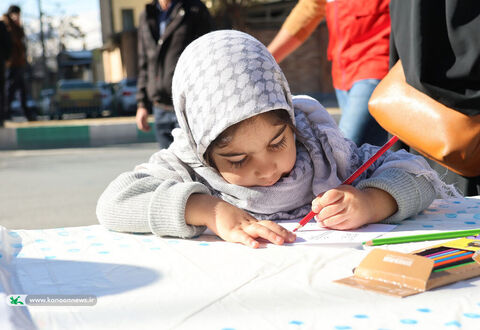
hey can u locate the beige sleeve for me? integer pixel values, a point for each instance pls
(304, 18)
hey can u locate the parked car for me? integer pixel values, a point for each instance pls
(45, 102)
(77, 96)
(125, 97)
(107, 94)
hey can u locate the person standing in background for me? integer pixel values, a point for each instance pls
(358, 47)
(438, 43)
(5, 49)
(166, 27)
(17, 61)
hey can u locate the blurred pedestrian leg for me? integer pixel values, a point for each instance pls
(16, 82)
(165, 122)
(3, 109)
(5, 50)
(356, 122)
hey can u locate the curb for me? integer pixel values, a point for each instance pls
(74, 133)
(81, 133)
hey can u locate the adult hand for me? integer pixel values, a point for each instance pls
(142, 119)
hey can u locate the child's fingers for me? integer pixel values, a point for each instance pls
(316, 206)
(330, 211)
(329, 197)
(339, 222)
(345, 225)
(257, 230)
(239, 236)
(288, 236)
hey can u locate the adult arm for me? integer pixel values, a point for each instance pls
(298, 26)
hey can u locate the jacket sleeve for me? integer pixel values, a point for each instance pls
(142, 79)
(406, 177)
(412, 193)
(152, 198)
(304, 18)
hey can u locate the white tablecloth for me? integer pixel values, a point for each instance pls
(146, 282)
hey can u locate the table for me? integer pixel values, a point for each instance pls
(146, 282)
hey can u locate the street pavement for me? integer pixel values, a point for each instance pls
(60, 187)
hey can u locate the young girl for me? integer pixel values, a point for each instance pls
(246, 151)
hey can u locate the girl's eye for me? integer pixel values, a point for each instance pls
(237, 164)
(280, 145)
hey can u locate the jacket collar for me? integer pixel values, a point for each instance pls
(176, 15)
(152, 12)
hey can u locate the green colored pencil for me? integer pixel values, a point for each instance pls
(421, 238)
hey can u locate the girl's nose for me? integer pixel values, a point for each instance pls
(265, 168)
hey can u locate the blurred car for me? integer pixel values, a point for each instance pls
(45, 102)
(76, 96)
(125, 97)
(107, 94)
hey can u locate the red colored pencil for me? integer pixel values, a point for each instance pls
(352, 177)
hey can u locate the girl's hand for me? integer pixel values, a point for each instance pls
(233, 224)
(346, 207)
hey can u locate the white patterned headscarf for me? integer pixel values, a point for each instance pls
(223, 78)
(227, 76)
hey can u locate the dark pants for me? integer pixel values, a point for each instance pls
(3, 109)
(16, 82)
(165, 122)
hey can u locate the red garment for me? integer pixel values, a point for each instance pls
(359, 33)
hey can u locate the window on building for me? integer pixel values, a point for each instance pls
(127, 20)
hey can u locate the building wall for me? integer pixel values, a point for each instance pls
(307, 69)
(98, 70)
(119, 54)
(128, 49)
(106, 19)
(118, 5)
(112, 65)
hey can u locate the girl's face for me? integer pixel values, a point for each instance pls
(259, 154)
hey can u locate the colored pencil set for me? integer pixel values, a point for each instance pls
(445, 257)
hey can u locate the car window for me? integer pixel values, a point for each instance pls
(131, 82)
(76, 85)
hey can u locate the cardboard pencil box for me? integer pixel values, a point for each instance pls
(404, 274)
